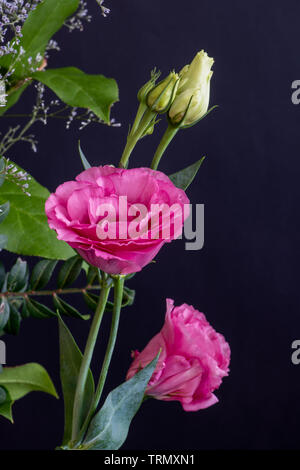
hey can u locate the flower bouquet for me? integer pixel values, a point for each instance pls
(110, 222)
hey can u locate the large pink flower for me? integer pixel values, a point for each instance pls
(80, 212)
(193, 359)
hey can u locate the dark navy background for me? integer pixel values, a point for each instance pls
(246, 278)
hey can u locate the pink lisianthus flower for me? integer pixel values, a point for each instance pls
(109, 216)
(194, 359)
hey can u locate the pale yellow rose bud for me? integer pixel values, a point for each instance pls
(191, 105)
(162, 95)
(194, 75)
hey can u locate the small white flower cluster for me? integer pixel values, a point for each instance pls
(105, 11)
(19, 177)
(77, 20)
(3, 95)
(87, 118)
(13, 13)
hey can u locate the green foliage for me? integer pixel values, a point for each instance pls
(84, 161)
(16, 382)
(109, 428)
(5, 404)
(72, 86)
(66, 309)
(92, 300)
(4, 210)
(18, 290)
(70, 362)
(69, 271)
(26, 226)
(41, 273)
(41, 24)
(81, 90)
(17, 278)
(13, 96)
(4, 313)
(182, 179)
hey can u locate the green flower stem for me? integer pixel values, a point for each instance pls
(87, 357)
(135, 136)
(166, 139)
(140, 113)
(118, 296)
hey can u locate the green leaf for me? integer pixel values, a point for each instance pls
(4, 210)
(13, 97)
(92, 275)
(70, 362)
(2, 169)
(24, 312)
(109, 428)
(4, 313)
(128, 296)
(78, 89)
(3, 395)
(13, 325)
(67, 309)
(41, 274)
(18, 276)
(38, 310)
(21, 380)
(3, 241)
(69, 272)
(5, 404)
(41, 24)
(26, 225)
(84, 161)
(92, 301)
(182, 179)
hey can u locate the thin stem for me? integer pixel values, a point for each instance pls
(71, 290)
(86, 360)
(118, 296)
(166, 139)
(135, 136)
(4, 147)
(140, 113)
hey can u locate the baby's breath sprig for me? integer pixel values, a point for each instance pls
(13, 13)
(19, 177)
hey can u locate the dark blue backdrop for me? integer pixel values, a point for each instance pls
(246, 278)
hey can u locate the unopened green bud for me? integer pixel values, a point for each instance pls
(191, 105)
(143, 92)
(192, 98)
(162, 95)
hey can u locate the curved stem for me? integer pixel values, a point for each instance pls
(166, 139)
(135, 136)
(86, 360)
(140, 113)
(118, 296)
